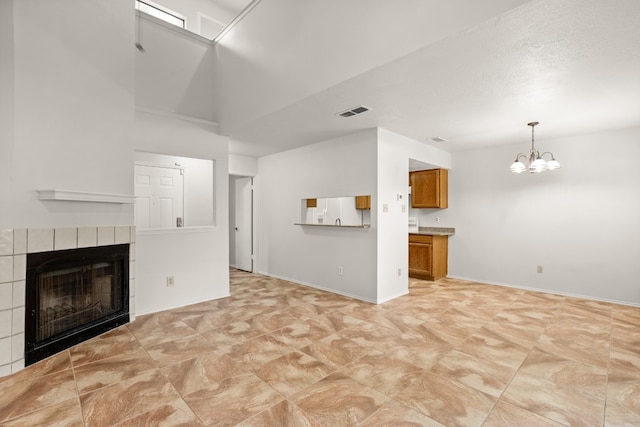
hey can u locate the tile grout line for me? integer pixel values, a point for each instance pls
(160, 371)
(515, 373)
(606, 388)
(75, 380)
(510, 380)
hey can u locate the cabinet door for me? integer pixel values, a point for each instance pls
(363, 202)
(420, 260)
(429, 188)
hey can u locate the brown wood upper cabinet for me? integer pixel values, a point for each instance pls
(363, 202)
(429, 188)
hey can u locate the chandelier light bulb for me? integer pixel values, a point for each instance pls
(538, 165)
(553, 164)
(518, 167)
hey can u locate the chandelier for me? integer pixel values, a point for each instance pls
(535, 160)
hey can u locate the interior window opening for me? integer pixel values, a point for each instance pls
(161, 12)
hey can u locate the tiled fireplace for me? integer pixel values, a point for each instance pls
(14, 247)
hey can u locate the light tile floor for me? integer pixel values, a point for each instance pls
(450, 353)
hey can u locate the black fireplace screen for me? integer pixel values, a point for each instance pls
(74, 295)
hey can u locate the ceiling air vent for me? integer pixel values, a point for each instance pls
(437, 139)
(354, 111)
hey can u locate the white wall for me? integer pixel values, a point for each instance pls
(6, 110)
(175, 73)
(394, 152)
(374, 161)
(69, 66)
(199, 192)
(173, 80)
(581, 222)
(72, 110)
(192, 256)
(243, 165)
(338, 167)
(198, 259)
(66, 113)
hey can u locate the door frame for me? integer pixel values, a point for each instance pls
(252, 220)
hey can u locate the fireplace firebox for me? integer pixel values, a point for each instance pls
(74, 295)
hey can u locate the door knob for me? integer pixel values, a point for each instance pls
(236, 228)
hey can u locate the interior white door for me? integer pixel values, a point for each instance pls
(159, 196)
(243, 224)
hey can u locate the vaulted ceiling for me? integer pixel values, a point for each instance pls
(474, 73)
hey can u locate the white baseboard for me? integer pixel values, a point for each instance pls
(322, 288)
(546, 291)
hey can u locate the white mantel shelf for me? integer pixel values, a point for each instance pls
(83, 196)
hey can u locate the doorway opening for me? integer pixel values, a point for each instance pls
(241, 222)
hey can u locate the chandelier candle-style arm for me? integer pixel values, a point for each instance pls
(536, 162)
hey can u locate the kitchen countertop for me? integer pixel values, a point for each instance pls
(435, 231)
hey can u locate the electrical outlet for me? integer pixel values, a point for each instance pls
(170, 281)
(404, 208)
(340, 270)
(437, 219)
(385, 207)
(539, 269)
(399, 271)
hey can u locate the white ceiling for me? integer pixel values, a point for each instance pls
(472, 72)
(233, 6)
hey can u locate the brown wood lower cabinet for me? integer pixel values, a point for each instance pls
(428, 256)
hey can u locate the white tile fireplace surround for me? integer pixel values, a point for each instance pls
(14, 247)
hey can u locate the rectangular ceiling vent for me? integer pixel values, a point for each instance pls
(437, 139)
(354, 111)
